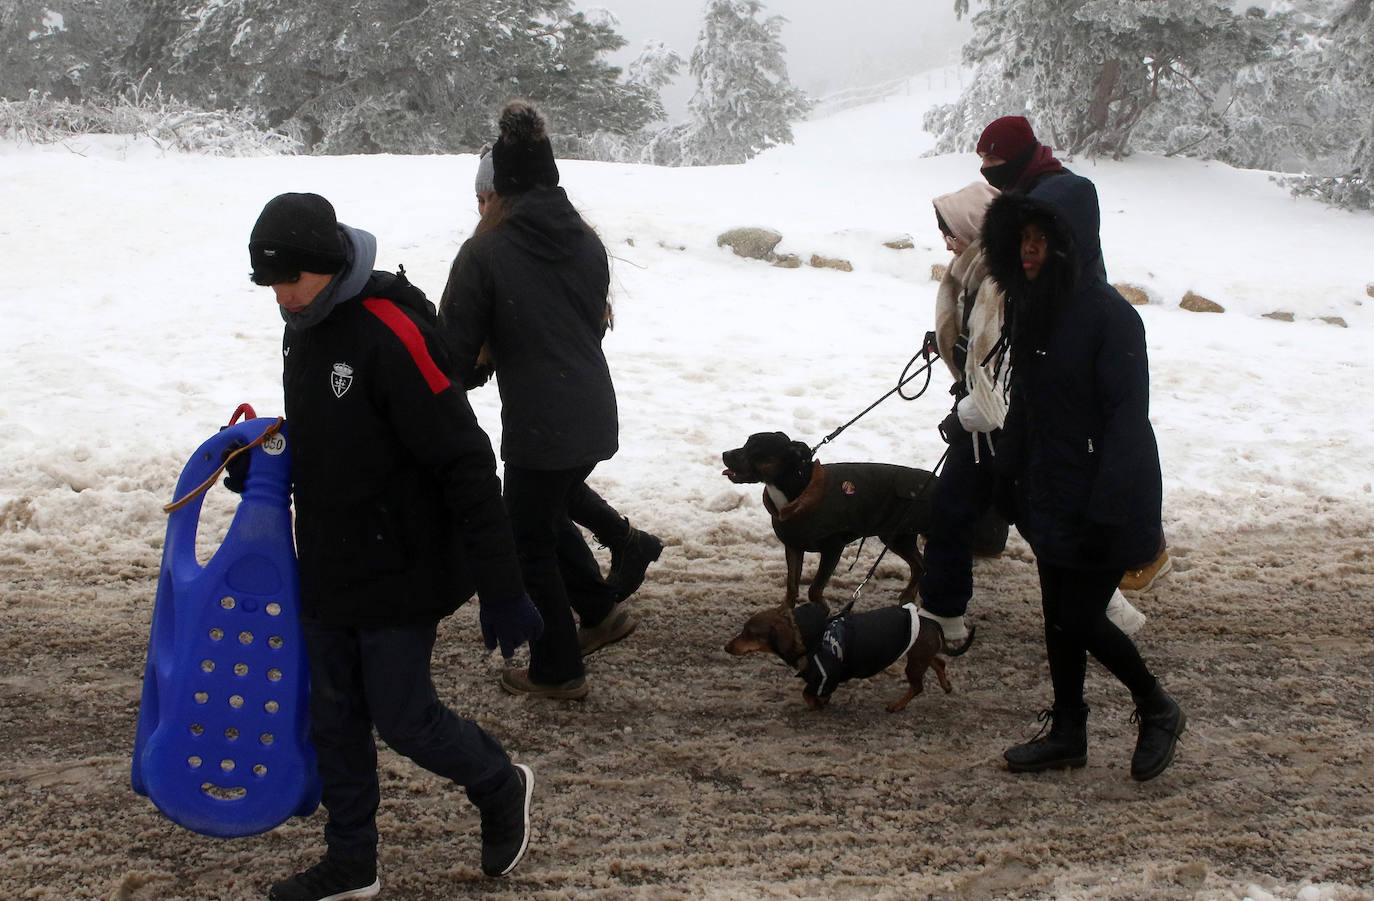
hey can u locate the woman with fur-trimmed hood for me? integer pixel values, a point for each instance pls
(1078, 461)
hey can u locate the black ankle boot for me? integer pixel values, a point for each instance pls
(630, 560)
(1064, 745)
(1161, 722)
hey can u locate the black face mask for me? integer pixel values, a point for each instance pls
(1001, 175)
(1005, 174)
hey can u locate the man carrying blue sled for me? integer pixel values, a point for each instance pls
(398, 519)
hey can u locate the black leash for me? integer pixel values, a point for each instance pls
(929, 353)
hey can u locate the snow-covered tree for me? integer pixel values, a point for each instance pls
(61, 48)
(744, 102)
(1348, 66)
(1089, 73)
(655, 68)
(403, 75)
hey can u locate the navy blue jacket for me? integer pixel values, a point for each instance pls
(398, 507)
(1077, 446)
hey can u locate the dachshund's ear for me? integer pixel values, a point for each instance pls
(783, 638)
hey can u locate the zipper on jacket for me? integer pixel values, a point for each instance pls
(1090, 447)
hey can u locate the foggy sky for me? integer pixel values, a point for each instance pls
(831, 44)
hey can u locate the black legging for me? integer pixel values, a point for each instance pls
(1075, 605)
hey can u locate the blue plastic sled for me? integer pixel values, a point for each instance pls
(223, 742)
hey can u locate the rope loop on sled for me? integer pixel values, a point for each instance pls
(243, 409)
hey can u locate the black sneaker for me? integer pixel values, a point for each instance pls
(630, 561)
(332, 879)
(506, 824)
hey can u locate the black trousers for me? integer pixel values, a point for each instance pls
(1076, 624)
(590, 510)
(360, 678)
(560, 572)
(959, 501)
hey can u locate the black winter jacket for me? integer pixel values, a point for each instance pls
(398, 507)
(1077, 444)
(534, 289)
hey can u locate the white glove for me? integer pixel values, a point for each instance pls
(972, 418)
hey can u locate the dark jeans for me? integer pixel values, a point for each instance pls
(559, 570)
(959, 500)
(1075, 606)
(365, 677)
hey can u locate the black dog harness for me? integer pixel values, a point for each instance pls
(852, 645)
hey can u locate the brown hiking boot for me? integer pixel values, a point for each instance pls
(518, 682)
(1144, 579)
(617, 624)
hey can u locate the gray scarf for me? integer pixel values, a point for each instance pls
(360, 249)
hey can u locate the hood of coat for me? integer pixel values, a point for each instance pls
(360, 251)
(1067, 208)
(544, 223)
(963, 209)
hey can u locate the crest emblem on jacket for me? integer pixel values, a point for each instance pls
(341, 378)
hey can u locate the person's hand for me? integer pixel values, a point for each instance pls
(951, 429)
(478, 377)
(972, 418)
(236, 472)
(510, 624)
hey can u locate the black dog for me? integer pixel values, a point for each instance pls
(822, 508)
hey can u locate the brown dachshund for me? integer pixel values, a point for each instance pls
(827, 650)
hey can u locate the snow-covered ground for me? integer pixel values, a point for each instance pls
(131, 331)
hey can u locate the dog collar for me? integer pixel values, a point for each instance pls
(806, 502)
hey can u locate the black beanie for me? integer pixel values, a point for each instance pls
(295, 233)
(522, 158)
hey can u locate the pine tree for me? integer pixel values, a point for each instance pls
(402, 75)
(1348, 64)
(655, 68)
(1093, 71)
(744, 102)
(60, 48)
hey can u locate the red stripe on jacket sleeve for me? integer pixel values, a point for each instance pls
(410, 336)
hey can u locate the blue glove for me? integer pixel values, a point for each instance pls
(510, 624)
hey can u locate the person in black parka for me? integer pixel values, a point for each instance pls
(531, 285)
(398, 517)
(1078, 464)
(1013, 161)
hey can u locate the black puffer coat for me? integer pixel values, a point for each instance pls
(534, 290)
(395, 482)
(1077, 446)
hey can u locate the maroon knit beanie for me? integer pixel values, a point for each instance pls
(1007, 137)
